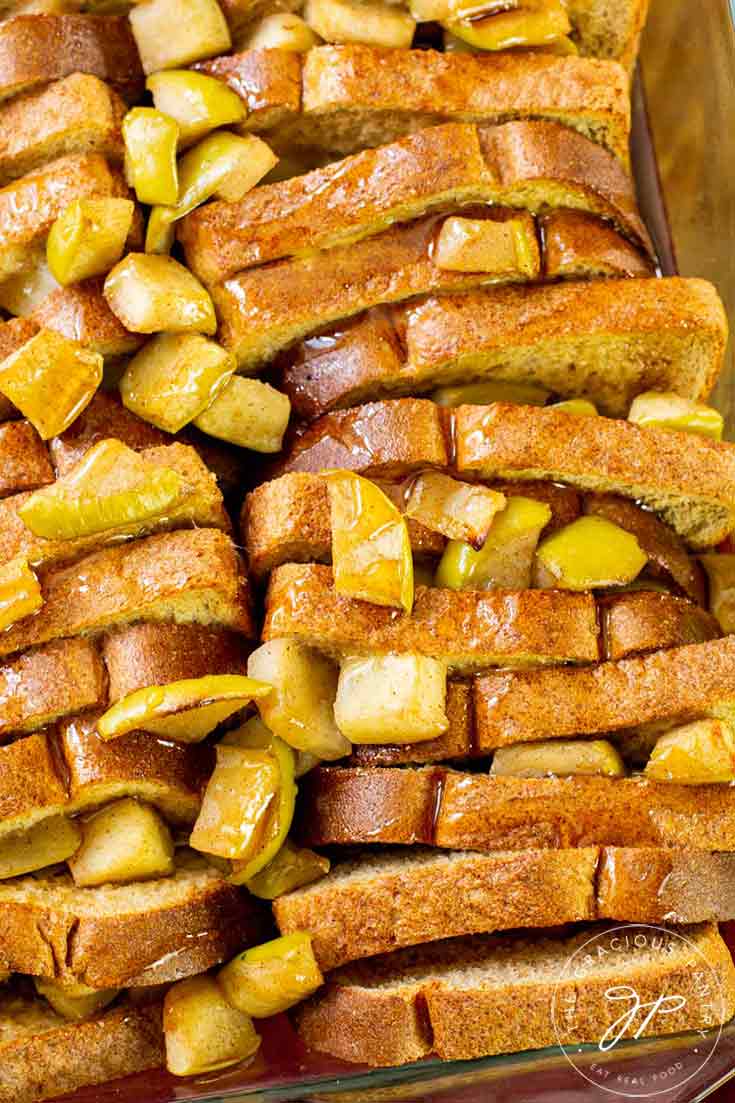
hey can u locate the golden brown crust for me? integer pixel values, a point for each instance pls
(190, 576)
(676, 886)
(606, 340)
(24, 459)
(40, 686)
(30, 205)
(389, 902)
(469, 629)
(156, 932)
(510, 164)
(579, 245)
(105, 416)
(677, 685)
(81, 313)
(153, 654)
(31, 784)
(646, 621)
(79, 114)
(458, 742)
(67, 1056)
(268, 81)
(38, 48)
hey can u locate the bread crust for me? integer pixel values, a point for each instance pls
(446, 165)
(469, 629)
(192, 576)
(105, 416)
(646, 621)
(24, 459)
(38, 48)
(80, 312)
(67, 1056)
(38, 687)
(605, 340)
(677, 885)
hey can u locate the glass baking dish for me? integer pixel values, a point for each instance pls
(684, 161)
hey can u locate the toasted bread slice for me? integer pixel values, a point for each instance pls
(63, 677)
(636, 622)
(435, 806)
(79, 114)
(453, 998)
(29, 206)
(469, 629)
(24, 459)
(191, 577)
(385, 901)
(43, 1055)
(341, 99)
(202, 507)
(81, 313)
(264, 310)
(35, 49)
(603, 340)
(120, 936)
(527, 164)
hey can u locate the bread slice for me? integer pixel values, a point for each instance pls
(43, 1055)
(339, 99)
(603, 340)
(609, 28)
(469, 629)
(38, 687)
(30, 205)
(118, 936)
(453, 998)
(79, 114)
(191, 577)
(81, 313)
(528, 164)
(633, 623)
(351, 806)
(203, 507)
(24, 459)
(35, 49)
(264, 310)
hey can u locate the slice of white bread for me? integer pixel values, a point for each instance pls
(455, 998)
(339, 99)
(264, 310)
(687, 479)
(350, 806)
(202, 507)
(38, 48)
(528, 164)
(192, 577)
(382, 902)
(605, 340)
(79, 114)
(43, 1055)
(117, 936)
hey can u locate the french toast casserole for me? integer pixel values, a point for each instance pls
(366, 556)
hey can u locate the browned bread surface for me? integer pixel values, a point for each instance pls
(44, 1056)
(677, 886)
(81, 313)
(118, 936)
(24, 459)
(453, 998)
(40, 686)
(105, 416)
(528, 164)
(469, 629)
(605, 29)
(79, 114)
(605, 340)
(35, 49)
(268, 81)
(633, 623)
(192, 576)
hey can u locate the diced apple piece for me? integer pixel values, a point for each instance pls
(461, 511)
(268, 979)
(391, 699)
(22, 293)
(371, 550)
(151, 140)
(300, 707)
(171, 34)
(595, 757)
(662, 410)
(280, 31)
(534, 23)
(151, 293)
(578, 407)
(44, 844)
(505, 560)
(720, 570)
(160, 233)
(197, 102)
(507, 249)
(203, 1031)
(185, 711)
(50, 379)
(695, 754)
(174, 378)
(125, 841)
(223, 165)
(373, 24)
(292, 868)
(20, 592)
(72, 1000)
(589, 554)
(494, 390)
(249, 413)
(88, 238)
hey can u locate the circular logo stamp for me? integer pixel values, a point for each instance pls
(591, 1004)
